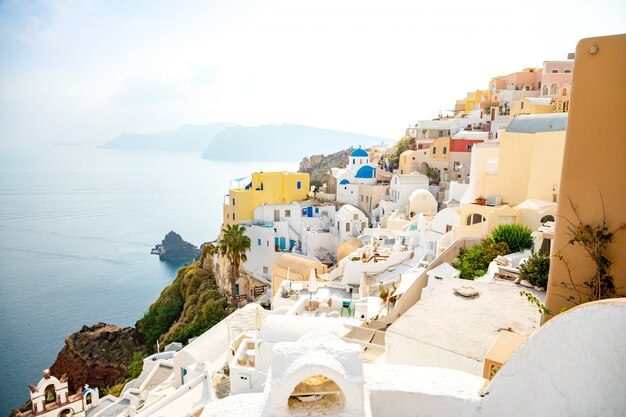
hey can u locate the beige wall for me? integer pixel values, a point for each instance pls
(597, 103)
(530, 161)
(411, 161)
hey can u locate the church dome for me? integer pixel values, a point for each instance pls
(359, 153)
(366, 172)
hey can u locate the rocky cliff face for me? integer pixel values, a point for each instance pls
(174, 248)
(318, 166)
(97, 355)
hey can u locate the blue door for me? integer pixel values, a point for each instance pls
(309, 211)
(283, 243)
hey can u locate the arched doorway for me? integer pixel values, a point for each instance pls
(548, 218)
(88, 398)
(317, 392)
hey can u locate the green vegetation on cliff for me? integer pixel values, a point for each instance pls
(188, 307)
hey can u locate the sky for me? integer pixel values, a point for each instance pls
(87, 71)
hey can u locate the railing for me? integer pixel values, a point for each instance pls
(258, 291)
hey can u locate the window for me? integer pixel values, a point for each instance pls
(347, 227)
(555, 71)
(317, 210)
(287, 213)
(267, 243)
(522, 105)
(474, 219)
(266, 270)
(469, 147)
(457, 164)
(233, 216)
(261, 186)
(353, 161)
(567, 71)
(258, 242)
(445, 150)
(233, 201)
(434, 150)
(355, 217)
(299, 185)
(361, 199)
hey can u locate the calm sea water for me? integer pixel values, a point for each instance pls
(76, 228)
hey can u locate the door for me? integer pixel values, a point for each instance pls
(309, 211)
(276, 215)
(283, 243)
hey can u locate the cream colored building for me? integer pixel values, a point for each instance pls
(525, 165)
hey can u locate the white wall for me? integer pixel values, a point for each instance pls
(263, 255)
(348, 193)
(573, 366)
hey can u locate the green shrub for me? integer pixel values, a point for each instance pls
(474, 262)
(535, 270)
(516, 236)
(136, 365)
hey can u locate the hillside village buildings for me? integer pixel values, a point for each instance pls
(369, 318)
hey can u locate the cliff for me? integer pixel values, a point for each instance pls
(107, 356)
(97, 355)
(187, 308)
(318, 166)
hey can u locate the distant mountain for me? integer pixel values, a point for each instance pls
(285, 142)
(185, 138)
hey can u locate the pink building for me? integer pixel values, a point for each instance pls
(555, 74)
(529, 79)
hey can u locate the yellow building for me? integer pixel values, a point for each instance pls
(439, 151)
(562, 98)
(593, 173)
(268, 188)
(476, 100)
(532, 105)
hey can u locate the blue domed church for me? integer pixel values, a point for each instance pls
(350, 180)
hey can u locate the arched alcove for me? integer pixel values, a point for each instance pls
(554, 88)
(88, 398)
(66, 413)
(316, 392)
(50, 394)
(548, 218)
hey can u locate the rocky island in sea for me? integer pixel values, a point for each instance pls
(174, 248)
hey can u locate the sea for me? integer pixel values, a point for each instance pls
(76, 227)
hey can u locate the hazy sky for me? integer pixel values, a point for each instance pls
(76, 71)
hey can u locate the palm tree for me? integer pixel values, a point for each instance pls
(233, 245)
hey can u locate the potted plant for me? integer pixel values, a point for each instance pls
(383, 292)
(481, 200)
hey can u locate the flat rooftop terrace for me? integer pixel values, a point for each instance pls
(463, 325)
